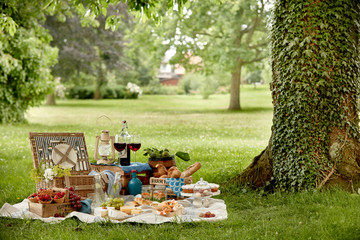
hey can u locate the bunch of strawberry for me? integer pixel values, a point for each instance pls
(207, 215)
(59, 195)
(33, 197)
(45, 198)
(75, 199)
(58, 215)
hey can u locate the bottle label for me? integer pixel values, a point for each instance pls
(123, 154)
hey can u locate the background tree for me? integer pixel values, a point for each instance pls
(91, 50)
(231, 34)
(25, 59)
(25, 54)
(315, 91)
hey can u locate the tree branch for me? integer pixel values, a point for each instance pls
(256, 22)
(258, 45)
(207, 34)
(256, 59)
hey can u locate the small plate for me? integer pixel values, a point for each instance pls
(64, 150)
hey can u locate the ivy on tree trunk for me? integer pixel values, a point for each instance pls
(315, 92)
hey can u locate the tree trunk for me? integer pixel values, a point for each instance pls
(50, 99)
(99, 82)
(235, 87)
(97, 93)
(315, 92)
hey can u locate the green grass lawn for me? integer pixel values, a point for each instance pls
(224, 142)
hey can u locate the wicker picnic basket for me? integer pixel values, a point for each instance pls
(42, 147)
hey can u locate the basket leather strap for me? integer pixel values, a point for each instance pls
(64, 156)
(67, 181)
(84, 187)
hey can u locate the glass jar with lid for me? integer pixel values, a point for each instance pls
(159, 193)
(202, 189)
(146, 192)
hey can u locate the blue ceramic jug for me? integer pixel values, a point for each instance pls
(134, 184)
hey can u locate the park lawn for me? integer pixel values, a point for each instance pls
(224, 142)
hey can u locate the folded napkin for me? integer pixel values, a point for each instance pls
(175, 184)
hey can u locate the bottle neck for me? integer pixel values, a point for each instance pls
(124, 128)
(133, 175)
(117, 176)
(97, 178)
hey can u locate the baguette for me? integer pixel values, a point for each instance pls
(142, 201)
(191, 170)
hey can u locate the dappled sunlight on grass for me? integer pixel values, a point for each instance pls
(224, 142)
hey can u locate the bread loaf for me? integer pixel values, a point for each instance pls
(191, 170)
(176, 173)
(142, 201)
(171, 170)
(161, 169)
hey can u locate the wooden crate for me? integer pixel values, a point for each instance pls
(162, 181)
(49, 210)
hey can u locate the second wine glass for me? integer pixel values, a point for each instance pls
(120, 144)
(135, 143)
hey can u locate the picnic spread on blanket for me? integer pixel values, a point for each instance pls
(113, 189)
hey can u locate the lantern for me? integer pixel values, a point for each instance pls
(104, 149)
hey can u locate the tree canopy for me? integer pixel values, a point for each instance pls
(25, 60)
(26, 56)
(231, 35)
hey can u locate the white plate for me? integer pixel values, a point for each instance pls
(63, 149)
(192, 194)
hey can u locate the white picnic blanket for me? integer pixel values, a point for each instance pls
(217, 206)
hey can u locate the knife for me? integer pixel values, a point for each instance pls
(84, 154)
(50, 156)
(46, 155)
(78, 152)
(40, 154)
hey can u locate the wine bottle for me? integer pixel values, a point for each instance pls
(125, 154)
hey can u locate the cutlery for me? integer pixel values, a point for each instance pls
(78, 152)
(46, 155)
(50, 156)
(84, 154)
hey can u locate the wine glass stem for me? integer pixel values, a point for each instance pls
(135, 156)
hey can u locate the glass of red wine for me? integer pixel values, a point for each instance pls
(120, 144)
(135, 144)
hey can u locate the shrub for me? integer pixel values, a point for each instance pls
(158, 89)
(87, 92)
(80, 92)
(118, 92)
